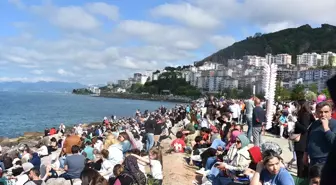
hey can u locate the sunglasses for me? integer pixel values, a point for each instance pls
(238, 142)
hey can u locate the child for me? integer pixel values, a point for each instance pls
(178, 144)
(291, 125)
(155, 162)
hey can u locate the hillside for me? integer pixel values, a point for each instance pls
(293, 41)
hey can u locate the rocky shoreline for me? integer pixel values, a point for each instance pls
(148, 97)
(31, 138)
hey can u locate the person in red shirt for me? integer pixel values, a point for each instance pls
(178, 144)
(52, 131)
(334, 114)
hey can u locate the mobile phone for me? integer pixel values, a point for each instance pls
(216, 164)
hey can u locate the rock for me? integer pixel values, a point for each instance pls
(10, 142)
(33, 134)
(3, 138)
(29, 142)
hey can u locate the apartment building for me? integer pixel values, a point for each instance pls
(309, 59)
(254, 60)
(328, 58)
(283, 59)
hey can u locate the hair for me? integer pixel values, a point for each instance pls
(53, 139)
(179, 134)
(35, 171)
(105, 153)
(158, 154)
(124, 135)
(75, 149)
(198, 139)
(322, 104)
(117, 170)
(270, 154)
(88, 143)
(315, 171)
(257, 101)
(92, 177)
(110, 140)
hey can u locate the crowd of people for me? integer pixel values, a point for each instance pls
(128, 151)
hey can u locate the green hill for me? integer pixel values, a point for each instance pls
(293, 41)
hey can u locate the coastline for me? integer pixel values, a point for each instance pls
(148, 97)
(33, 137)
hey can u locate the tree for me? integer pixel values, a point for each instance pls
(326, 92)
(136, 88)
(313, 88)
(310, 96)
(298, 92)
(281, 93)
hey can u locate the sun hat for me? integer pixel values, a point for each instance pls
(27, 167)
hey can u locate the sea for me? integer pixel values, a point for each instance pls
(34, 111)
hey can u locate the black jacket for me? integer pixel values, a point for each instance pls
(301, 126)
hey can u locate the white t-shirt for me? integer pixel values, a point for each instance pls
(107, 169)
(98, 145)
(43, 151)
(235, 109)
(156, 169)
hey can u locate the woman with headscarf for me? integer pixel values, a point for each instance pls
(232, 140)
(239, 160)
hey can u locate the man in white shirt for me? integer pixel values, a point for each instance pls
(235, 109)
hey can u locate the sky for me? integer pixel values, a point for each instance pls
(94, 42)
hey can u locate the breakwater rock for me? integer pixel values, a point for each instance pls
(150, 97)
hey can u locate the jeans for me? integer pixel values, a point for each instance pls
(149, 141)
(220, 179)
(2, 165)
(249, 127)
(62, 160)
(210, 162)
(256, 132)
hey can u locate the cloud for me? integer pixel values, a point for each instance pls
(159, 34)
(67, 17)
(188, 14)
(100, 8)
(63, 72)
(26, 79)
(221, 42)
(37, 71)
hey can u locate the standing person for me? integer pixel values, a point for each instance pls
(249, 106)
(304, 119)
(258, 118)
(321, 135)
(157, 129)
(210, 104)
(62, 128)
(149, 130)
(235, 109)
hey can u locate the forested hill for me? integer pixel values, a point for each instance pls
(293, 41)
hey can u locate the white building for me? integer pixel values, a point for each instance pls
(283, 59)
(309, 59)
(254, 60)
(229, 83)
(207, 66)
(234, 62)
(316, 76)
(326, 57)
(94, 90)
(140, 78)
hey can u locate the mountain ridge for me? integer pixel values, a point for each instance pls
(292, 41)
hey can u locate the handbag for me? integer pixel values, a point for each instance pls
(297, 137)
